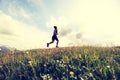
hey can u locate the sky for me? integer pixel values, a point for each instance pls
(28, 24)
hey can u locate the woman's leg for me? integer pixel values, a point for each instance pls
(57, 43)
(51, 41)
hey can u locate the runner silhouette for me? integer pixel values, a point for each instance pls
(54, 37)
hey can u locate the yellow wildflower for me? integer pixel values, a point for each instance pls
(86, 51)
(30, 63)
(0, 66)
(71, 73)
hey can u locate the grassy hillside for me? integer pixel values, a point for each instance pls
(70, 63)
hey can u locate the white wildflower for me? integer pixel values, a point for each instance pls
(30, 63)
(81, 78)
(90, 74)
(27, 52)
(108, 66)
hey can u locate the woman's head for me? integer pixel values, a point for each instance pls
(55, 27)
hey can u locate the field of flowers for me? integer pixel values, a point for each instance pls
(70, 63)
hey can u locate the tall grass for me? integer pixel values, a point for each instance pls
(71, 63)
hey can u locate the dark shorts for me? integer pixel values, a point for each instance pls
(54, 37)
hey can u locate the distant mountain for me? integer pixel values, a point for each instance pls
(4, 49)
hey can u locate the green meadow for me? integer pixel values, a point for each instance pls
(66, 63)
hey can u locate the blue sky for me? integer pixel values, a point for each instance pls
(27, 24)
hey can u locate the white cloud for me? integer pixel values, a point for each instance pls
(23, 36)
(60, 21)
(17, 11)
(25, 13)
(37, 2)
